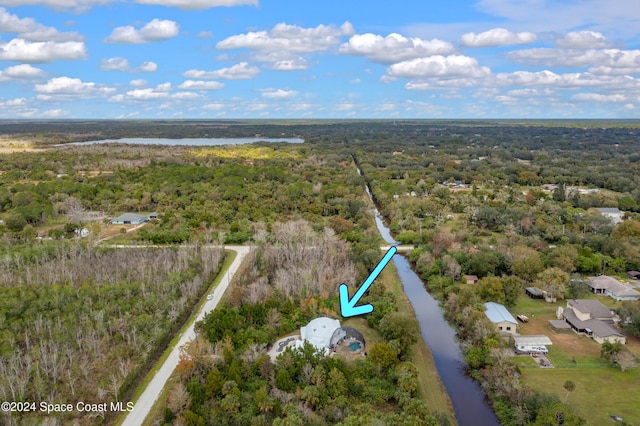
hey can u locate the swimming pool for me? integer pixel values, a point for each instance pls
(354, 346)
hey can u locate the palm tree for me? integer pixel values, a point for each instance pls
(569, 386)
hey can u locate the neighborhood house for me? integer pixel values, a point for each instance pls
(130, 219)
(611, 287)
(593, 319)
(614, 215)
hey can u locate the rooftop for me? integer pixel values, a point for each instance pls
(590, 306)
(498, 313)
(534, 340)
(611, 284)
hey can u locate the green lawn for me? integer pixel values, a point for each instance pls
(599, 393)
(601, 389)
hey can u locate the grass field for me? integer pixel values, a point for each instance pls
(602, 390)
(599, 393)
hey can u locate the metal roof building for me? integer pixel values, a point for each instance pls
(500, 316)
(130, 218)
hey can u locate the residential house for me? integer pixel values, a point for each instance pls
(593, 319)
(613, 214)
(130, 219)
(611, 287)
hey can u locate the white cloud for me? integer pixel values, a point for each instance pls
(138, 82)
(241, 71)
(122, 64)
(439, 66)
(114, 64)
(52, 113)
(146, 94)
(156, 30)
(566, 80)
(199, 4)
(201, 85)
(148, 67)
(216, 106)
(394, 47)
(603, 61)
(23, 71)
(41, 51)
(282, 45)
(597, 97)
(290, 38)
(18, 102)
(617, 16)
(294, 64)
(29, 29)
(205, 34)
(278, 94)
(583, 40)
(185, 95)
(71, 87)
(497, 37)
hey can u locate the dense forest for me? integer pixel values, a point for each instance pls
(288, 281)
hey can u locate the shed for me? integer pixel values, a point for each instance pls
(535, 292)
(130, 219)
(500, 317)
(471, 279)
(634, 275)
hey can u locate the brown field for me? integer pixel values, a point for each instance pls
(8, 146)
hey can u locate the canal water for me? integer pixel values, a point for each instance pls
(468, 399)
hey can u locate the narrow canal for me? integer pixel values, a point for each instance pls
(468, 399)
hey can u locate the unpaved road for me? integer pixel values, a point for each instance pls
(143, 406)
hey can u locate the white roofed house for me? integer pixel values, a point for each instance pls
(614, 215)
(500, 317)
(318, 332)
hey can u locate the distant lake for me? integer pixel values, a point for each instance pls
(187, 141)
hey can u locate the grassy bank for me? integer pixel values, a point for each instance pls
(432, 390)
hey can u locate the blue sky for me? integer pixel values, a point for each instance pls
(329, 59)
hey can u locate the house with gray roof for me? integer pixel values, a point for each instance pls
(130, 219)
(611, 287)
(500, 317)
(593, 319)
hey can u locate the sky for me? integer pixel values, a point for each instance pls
(269, 59)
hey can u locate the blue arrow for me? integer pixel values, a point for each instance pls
(348, 307)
